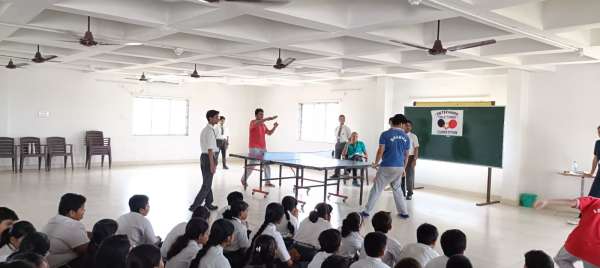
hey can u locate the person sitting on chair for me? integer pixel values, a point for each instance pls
(357, 151)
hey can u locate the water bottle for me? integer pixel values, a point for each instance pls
(574, 167)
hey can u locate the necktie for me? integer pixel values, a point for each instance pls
(339, 136)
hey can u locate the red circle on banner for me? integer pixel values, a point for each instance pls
(452, 123)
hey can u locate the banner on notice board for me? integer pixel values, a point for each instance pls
(447, 122)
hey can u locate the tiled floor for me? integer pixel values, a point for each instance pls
(498, 235)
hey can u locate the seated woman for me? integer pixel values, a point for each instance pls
(357, 151)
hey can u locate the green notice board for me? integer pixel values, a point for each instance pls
(480, 142)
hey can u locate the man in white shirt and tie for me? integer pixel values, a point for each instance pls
(222, 140)
(208, 162)
(342, 135)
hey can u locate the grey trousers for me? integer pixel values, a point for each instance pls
(408, 181)
(564, 259)
(205, 195)
(385, 176)
(339, 148)
(266, 168)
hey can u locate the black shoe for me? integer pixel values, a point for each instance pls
(211, 207)
(355, 183)
(192, 208)
(225, 167)
(409, 197)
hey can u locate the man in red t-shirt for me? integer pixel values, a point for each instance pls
(584, 241)
(257, 144)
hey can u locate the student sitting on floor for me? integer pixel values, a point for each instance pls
(375, 244)
(263, 253)
(36, 242)
(231, 198)
(211, 255)
(68, 237)
(422, 251)
(186, 246)
(145, 256)
(453, 242)
(237, 215)
(330, 241)
(7, 218)
(336, 261)
(112, 252)
(307, 236)
(135, 224)
(273, 216)
(12, 237)
(179, 229)
(289, 224)
(408, 263)
(459, 261)
(352, 241)
(101, 230)
(382, 222)
(38, 261)
(538, 259)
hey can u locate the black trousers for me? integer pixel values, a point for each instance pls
(222, 144)
(339, 148)
(595, 190)
(205, 195)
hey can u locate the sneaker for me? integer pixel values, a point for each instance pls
(404, 216)
(212, 207)
(364, 214)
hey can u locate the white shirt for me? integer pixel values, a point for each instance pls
(393, 252)
(351, 245)
(282, 227)
(344, 135)
(222, 132)
(214, 258)
(282, 252)
(65, 234)
(208, 139)
(420, 252)
(185, 256)
(318, 259)
(240, 235)
(5, 251)
(369, 262)
(308, 231)
(414, 143)
(137, 228)
(438, 262)
(176, 232)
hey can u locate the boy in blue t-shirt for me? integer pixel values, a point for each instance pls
(393, 154)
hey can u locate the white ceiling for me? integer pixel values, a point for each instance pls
(331, 39)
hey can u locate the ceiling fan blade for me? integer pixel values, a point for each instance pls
(256, 64)
(19, 65)
(21, 58)
(50, 57)
(472, 45)
(209, 76)
(108, 44)
(70, 41)
(409, 44)
(288, 61)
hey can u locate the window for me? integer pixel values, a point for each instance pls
(157, 116)
(318, 121)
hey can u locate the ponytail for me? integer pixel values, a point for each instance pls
(18, 230)
(322, 210)
(194, 228)
(273, 214)
(351, 224)
(263, 252)
(235, 209)
(289, 203)
(220, 231)
(144, 256)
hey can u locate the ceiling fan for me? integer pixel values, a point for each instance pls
(89, 41)
(12, 65)
(279, 63)
(195, 74)
(144, 78)
(438, 48)
(249, 1)
(37, 58)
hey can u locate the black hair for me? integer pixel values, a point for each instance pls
(375, 243)
(538, 259)
(351, 224)
(103, 229)
(211, 113)
(382, 222)
(330, 240)
(112, 252)
(289, 203)
(427, 234)
(201, 212)
(235, 210)
(273, 214)
(137, 202)
(322, 210)
(221, 117)
(341, 115)
(17, 264)
(263, 251)
(30, 257)
(459, 261)
(143, 256)
(234, 196)
(408, 263)
(453, 242)
(336, 261)
(36, 242)
(409, 122)
(398, 119)
(18, 230)
(8, 214)
(258, 110)
(193, 229)
(220, 231)
(70, 202)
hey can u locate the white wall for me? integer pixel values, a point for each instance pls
(3, 111)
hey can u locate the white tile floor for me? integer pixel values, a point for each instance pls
(498, 235)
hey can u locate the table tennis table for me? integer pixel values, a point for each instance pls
(299, 162)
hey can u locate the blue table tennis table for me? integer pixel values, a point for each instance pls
(299, 162)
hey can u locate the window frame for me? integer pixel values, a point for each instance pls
(300, 107)
(187, 116)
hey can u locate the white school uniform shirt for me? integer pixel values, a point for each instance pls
(414, 143)
(318, 259)
(344, 134)
(240, 235)
(420, 252)
(6, 251)
(351, 245)
(282, 227)
(208, 139)
(282, 252)
(308, 231)
(369, 262)
(438, 262)
(65, 234)
(214, 258)
(221, 132)
(137, 228)
(185, 256)
(393, 251)
(176, 232)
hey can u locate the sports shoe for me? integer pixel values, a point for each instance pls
(364, 214)
(212, 207)
(404, 216)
